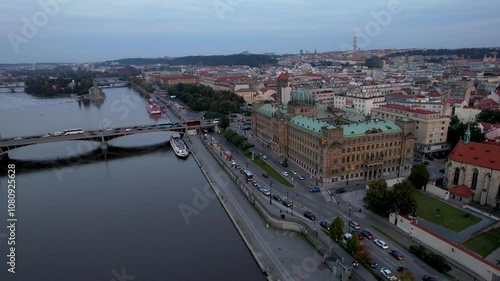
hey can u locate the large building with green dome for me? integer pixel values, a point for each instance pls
(333, 150)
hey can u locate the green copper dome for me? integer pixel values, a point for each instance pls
(302, 96)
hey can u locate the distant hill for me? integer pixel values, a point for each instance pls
(467, 53)
(250, 60)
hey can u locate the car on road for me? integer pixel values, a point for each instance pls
(266, 175)
(265, 191)
(18, 138)
(255, 183)
(108, 129)
(340, 190)
(430, 158)
(373, 264)
(57, 134)
(294, 172)
(324, 224)
(286, 203)
(309, 215)
(388, 274)
(277, 197)
(396, 254)
(367, 234)
(284, 164)
(301, 178)
(264, 157)
(418, 160)
(46, 136)
(360, 235)
(428, 278)
(354, 225)
(381, 243)
(314, 189)
(284, 173)
(347, 236)
(441, 171)
(128, 130)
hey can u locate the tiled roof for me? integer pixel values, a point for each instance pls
(268, 109)
(478, 154)
(462, 190)
(282, 76)
(405, 108)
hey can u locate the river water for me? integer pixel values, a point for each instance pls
(112, 219)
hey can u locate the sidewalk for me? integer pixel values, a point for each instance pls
(283, 255)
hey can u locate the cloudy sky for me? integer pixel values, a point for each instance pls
(98, 30)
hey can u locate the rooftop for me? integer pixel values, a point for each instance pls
(268, 109)
(372, 127)
(310, 123)
(405, 108)
(478, 154)
(462, 190)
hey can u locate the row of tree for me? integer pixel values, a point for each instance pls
(239, 141)
(143, 84)
(45, 86)
(204, 98)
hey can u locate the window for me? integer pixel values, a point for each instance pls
(474, 179)
(456, 176)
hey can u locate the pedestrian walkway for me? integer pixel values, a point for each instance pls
(359, 215)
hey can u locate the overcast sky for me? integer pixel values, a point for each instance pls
(98, 30)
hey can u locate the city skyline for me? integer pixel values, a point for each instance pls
(70, 31)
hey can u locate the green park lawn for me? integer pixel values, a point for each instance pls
(449, 216)
(485, 243)
(273, 174)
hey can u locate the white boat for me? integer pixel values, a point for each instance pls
(180, 148)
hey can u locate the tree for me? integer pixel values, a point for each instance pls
(419, 175)
(377, 197)
(402, 199)
(224, 122)
(364, 254)
(489, 116)
(352, 244)
(336, 229)
(407, 275)
(457, 131)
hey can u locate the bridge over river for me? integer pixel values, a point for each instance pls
(102, 136)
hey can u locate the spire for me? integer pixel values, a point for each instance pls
(467, 134)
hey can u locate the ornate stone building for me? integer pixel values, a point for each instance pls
(475, 166)
(331, 153)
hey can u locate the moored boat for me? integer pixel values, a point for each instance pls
(178, 145)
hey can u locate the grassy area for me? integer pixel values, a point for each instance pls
(268, 169)
(448, 216)
(485, 243)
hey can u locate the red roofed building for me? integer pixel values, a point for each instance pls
(475, 165)
(431, 128)
(461, 193)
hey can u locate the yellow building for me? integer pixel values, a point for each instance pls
(332, 153)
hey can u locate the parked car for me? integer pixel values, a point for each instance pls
(46, 136)
(441, 171)
(324, 224)
(396, 254)
(347, 236)
(381, 243)
(284, 173)
(286, 203)
(354, 225)
(277, 197)
(418, 160)
(284, 164)
(426, 163)
(265, 191)
(301, 177)
(388, 274)
(128, 129)
(315, 189)
(430, 158)
(294, 172)
(340, 190)
(309, 215)
(360, 235)
(367, 234)
(264, 157)
(266, 175)
(255, 183)
(373, 264)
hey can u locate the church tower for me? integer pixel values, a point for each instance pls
(281, 84)
(467, 134)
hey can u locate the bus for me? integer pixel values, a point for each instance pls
(73, 131)
(165, 125)
(248, 175)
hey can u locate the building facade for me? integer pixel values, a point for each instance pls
(332, 153)
(431, 129)
(477, 166)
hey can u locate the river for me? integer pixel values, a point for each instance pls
(114, 219)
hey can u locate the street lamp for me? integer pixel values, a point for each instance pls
(270, 191)
(349, 218)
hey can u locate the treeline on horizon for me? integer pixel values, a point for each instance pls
(204, 98)
(467, 53)
(252, 60)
